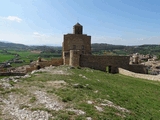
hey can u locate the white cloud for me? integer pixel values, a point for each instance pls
(47, 39)
(36, 34)
(13, 18)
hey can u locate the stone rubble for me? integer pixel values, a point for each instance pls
(111, 104)
(50, 70)
(83, 76)
(15, 113)
(98, 108)
(17, 108)
(89, 102)
(49, 103)
(78, 112)
(88, 118)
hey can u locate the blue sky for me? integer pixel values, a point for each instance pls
(44, 22)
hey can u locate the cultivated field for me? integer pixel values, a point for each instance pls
(26, 56)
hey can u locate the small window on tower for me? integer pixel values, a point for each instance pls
(78, 31)
(82, 47)
(74, 47)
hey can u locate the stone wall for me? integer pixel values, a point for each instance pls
(137, 68)
(101, 62)
(11, 74)
(42, 64)
(54, 62)
(137, 75)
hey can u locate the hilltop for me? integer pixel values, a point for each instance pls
(65, 92)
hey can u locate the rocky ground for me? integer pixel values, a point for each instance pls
(153, 67)
(68, 93)
(27, 102)
(21, 99)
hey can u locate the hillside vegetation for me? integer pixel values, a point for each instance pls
(64, 93)
(97, 48)
(125, 50)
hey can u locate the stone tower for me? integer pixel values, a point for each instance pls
(77, 29)
(76, 41)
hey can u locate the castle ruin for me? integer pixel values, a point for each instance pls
(76, 51)
(75, 45)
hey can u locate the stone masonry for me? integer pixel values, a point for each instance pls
(76, 41)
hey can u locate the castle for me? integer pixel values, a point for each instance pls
(76, 51)
(74, 45)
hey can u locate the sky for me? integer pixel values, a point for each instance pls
(44, 22)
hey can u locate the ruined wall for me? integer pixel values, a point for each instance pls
(101, 62)
(137, 68)
(54, 62)
(11, 74)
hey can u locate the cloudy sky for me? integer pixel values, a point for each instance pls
(43, 22)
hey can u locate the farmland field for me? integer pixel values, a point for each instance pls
(4, 57)
(26, 56)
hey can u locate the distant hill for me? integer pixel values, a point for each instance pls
(96, 48)
(104, 46)
(7, 45)
(125, 50)
(15, 46)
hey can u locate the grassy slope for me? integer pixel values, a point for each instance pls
(139, 96)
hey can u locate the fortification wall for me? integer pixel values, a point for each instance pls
(54, 62)
(42, 64)
(101, 62)
(137, 68)
(137, 75)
